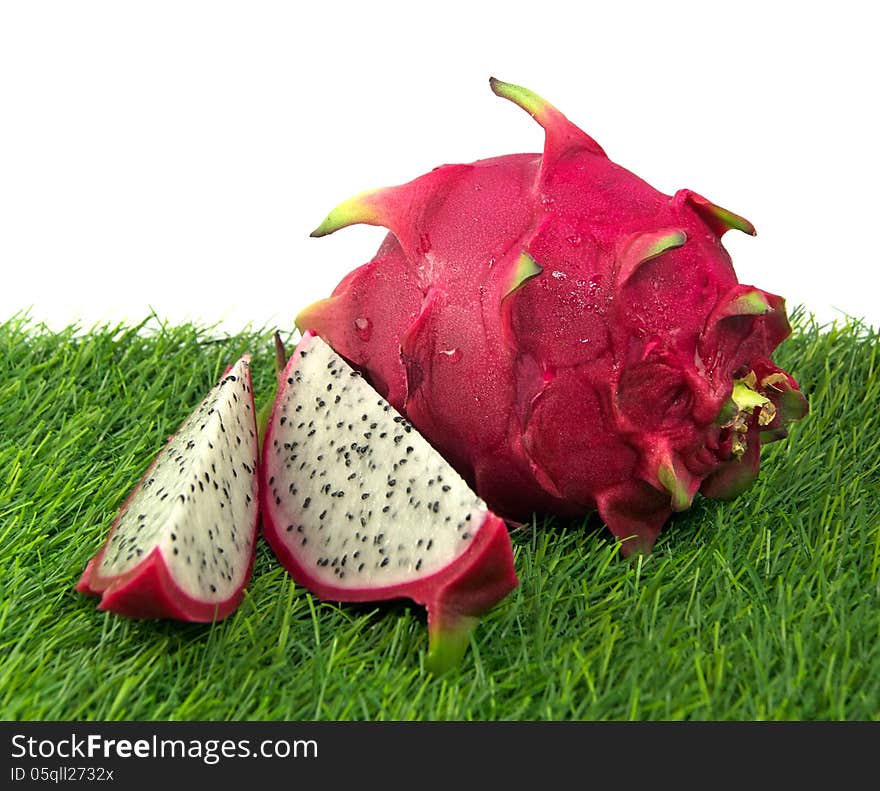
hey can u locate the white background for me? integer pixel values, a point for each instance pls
(174, 156)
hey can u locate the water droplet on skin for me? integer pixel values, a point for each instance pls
(491, 262)
(364, 328)
(559, 275)
(453, 355)
(574, 240)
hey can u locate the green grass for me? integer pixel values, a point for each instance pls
(767, 607)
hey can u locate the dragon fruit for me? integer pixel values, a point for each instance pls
(359, 507)
(570, 338)
(182, 545)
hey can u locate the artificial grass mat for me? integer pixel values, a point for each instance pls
(767, 607)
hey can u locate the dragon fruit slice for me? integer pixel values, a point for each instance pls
(182, 545)
(359, 507)
(567, 336)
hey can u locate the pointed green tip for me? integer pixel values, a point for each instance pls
(447, 644)
(534, 105)
(751, 303)
(680, 494)
(668, 240)
(523, 270)
(645, 247)
(719, 219)
(734, 221)
(361, 208)
(306, 318)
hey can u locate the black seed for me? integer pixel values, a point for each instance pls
(306, 502)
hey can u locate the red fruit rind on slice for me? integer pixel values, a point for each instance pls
(148, 591)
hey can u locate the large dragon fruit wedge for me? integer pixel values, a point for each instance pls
(359, 507)
(182, 544)
(567, 336)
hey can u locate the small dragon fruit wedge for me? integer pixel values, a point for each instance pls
(182, 545)
(359, 507)
(568, 337)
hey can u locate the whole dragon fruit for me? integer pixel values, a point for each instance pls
(570, 338)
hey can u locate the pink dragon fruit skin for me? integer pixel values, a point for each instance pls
(570, 338)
